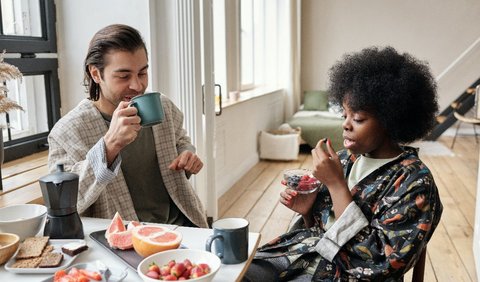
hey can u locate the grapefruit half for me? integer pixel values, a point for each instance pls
(151, 239)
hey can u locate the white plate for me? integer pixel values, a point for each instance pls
(112, 275)
(57, 248)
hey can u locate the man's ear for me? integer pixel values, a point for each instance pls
(95, 73)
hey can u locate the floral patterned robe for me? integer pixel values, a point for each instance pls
(400, 201)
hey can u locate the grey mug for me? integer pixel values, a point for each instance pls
(230, 237)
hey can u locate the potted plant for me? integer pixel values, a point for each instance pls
(7, 72)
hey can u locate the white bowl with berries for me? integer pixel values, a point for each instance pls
(179, 264)
(300, 180)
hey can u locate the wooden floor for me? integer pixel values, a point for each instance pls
(449, 254)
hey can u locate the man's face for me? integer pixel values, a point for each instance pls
(124, 77)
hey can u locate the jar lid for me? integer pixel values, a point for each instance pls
(59, 176)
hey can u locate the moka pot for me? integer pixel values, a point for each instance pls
(60, 193)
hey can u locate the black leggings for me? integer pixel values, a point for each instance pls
(268, 270)
(263, 270)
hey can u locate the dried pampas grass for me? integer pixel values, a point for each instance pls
(7, 72)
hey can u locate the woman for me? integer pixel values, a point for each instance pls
(378, 204)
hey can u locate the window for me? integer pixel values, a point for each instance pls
(247, 49)
(245, 44)
(27, 31)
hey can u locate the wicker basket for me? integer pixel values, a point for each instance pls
(280, 144)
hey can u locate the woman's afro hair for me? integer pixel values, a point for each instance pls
(396, 88)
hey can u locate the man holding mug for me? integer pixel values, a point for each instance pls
(138, 171)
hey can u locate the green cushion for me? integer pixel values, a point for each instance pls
(315, 100)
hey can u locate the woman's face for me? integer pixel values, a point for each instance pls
(364, 134)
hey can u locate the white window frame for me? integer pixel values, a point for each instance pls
(228, 44)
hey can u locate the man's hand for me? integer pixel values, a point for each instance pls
(187, 161)
(123, 130)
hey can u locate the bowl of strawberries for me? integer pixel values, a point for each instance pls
(179, 264)
(300, 180)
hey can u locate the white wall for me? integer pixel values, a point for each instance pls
(236, 135)
(77, 22)
(435, 31)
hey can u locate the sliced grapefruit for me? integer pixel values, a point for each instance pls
(151, 239)
(132, 224)
(115, 226)
(121, 240)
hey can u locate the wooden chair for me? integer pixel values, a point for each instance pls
(419, 268)
(471, 120)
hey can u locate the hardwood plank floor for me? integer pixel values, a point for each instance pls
(450, 251)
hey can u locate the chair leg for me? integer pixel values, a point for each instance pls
(456, 132)
(419, 268)
(475, 131)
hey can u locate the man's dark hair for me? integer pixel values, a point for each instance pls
(397, 89)
(116, 37)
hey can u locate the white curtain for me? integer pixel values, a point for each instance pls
(289, 42)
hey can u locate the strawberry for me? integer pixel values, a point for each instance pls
(178, 269)
(187, 272)
(205, 267)
(170, 278)
(197, 271)
(165, 270)
(152, 274)
(187, 262)
(171, 263)
(303, 187)
(154, 267)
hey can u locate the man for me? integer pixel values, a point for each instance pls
(139, 172)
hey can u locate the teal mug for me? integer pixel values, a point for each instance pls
(150, 109)
(230, 237)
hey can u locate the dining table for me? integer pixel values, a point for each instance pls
(193, 238)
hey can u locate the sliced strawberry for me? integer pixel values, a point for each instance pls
(305, 177)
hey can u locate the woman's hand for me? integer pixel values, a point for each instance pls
(326, 164)
(301, 203)
(328, 170)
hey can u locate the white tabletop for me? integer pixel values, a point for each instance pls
(194, 238)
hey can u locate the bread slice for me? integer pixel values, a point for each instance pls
(51, 260)
(32, 247)
(74, 248)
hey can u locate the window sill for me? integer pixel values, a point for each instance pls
(249, 95)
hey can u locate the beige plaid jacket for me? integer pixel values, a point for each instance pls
(76, 140)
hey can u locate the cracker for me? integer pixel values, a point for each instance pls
(48, 249)
(32, 247)
(51, 260)
(27, 263)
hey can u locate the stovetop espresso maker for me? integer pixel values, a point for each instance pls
(60, 192)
